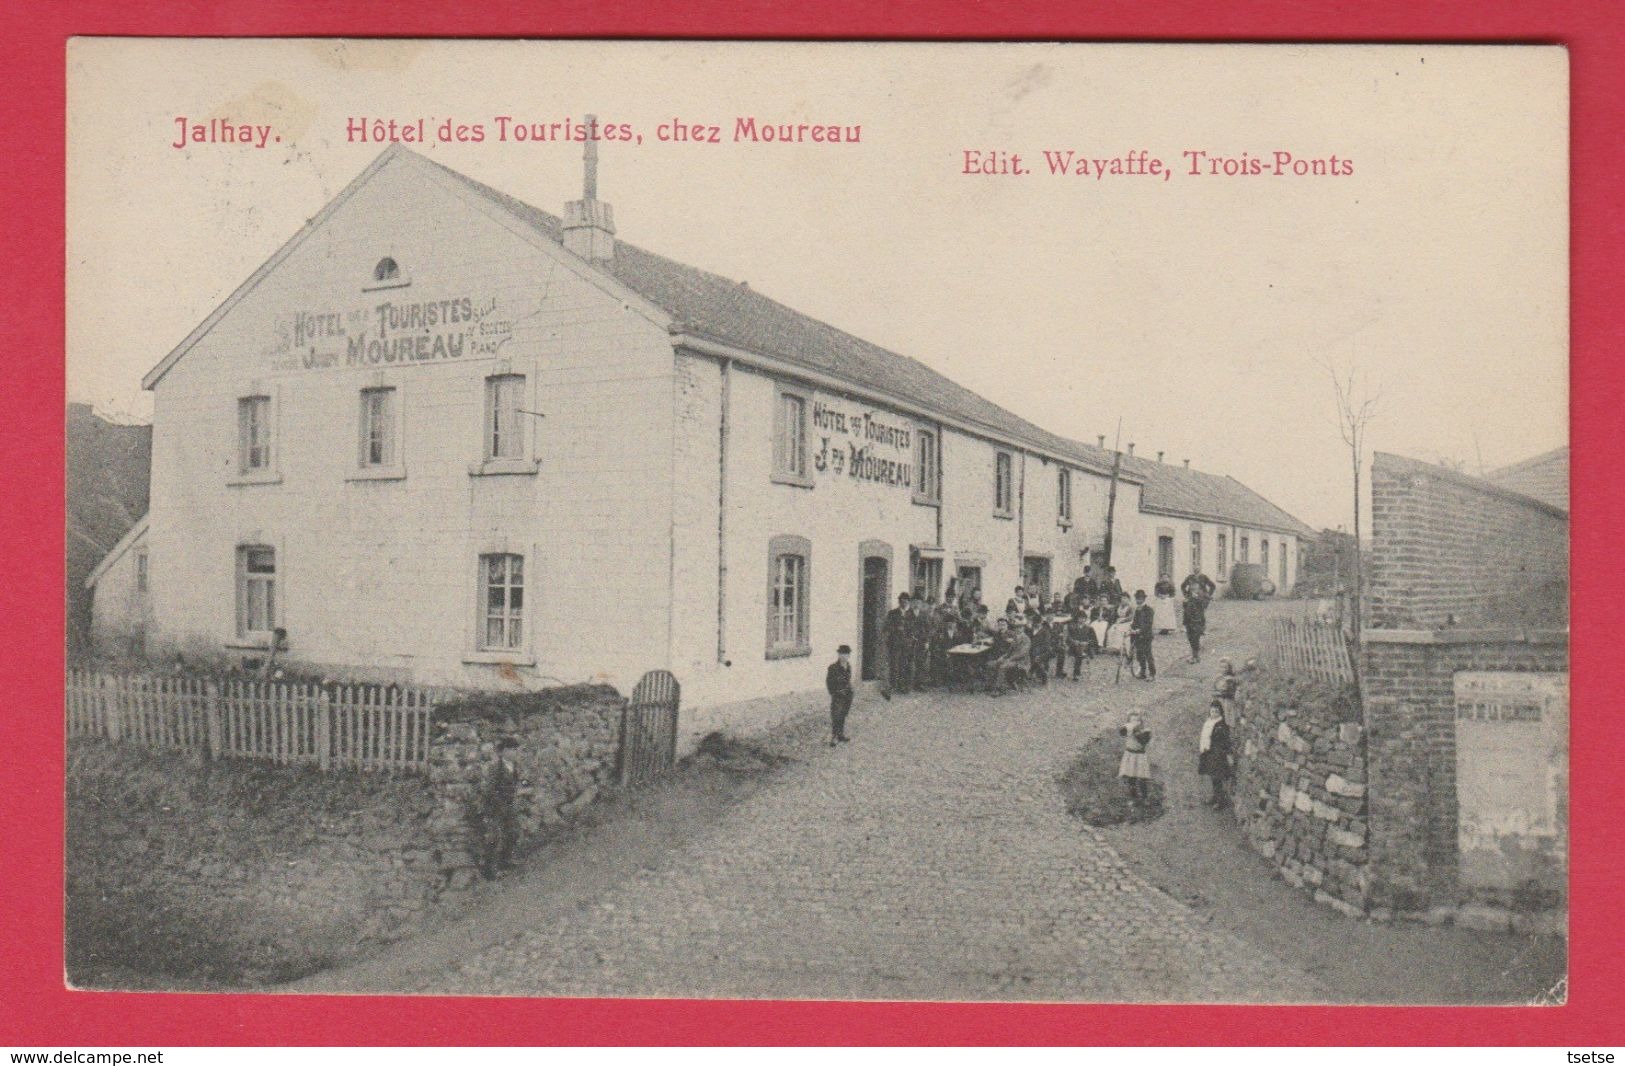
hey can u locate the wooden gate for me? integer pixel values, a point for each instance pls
(1313, 649)
(649, 728)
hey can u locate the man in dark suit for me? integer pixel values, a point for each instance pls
(498, 815)
(1198, 585)
(1213, 759)
(838, 680)
(899, 653)
(1142, 630)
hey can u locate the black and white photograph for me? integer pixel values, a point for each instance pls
(843, 521)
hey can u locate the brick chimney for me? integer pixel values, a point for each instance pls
(1131, 449)
(1187, 464)
(1100, 440)
(1159, 457)
(589, 223)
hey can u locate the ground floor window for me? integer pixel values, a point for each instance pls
(1222, 563)
(503, 578)
(1035, 572)
(927, 577)
(256, 591)
(969, 580)
(789, 562)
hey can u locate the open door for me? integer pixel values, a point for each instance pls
(876, 585)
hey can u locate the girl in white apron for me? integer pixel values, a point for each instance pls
(1135, 767)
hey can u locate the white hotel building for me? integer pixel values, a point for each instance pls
(443, 437)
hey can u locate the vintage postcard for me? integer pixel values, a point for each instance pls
(851, 521)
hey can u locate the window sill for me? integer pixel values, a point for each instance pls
(499, 658)
(801, 652)
(504, 467)
(1006, 515)
(377, 473)
(249, 644)
(927, 501)
(257, 477)
(793, 480)
(1064, 523)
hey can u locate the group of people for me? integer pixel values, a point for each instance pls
(1024, 644)
(960, 641)
(1215, 757)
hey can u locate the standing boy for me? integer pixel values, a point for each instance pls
(1143, 629)
(838, 680)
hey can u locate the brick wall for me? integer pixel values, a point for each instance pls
(1451, 550)
(1461, 576)
(1409, 698)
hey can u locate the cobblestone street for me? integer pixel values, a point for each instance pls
(931, 858)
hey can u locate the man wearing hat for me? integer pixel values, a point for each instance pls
(498, 818)
(838, 679)
(899, 654)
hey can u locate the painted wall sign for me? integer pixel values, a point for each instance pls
(1511, 776)
(863, 444)
(389, 332)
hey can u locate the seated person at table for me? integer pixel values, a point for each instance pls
(1046, 649)
(1012, 666)
(1081, 644)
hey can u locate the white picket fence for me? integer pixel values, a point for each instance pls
(368, 727)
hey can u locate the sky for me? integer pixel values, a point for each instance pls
(1197, 315)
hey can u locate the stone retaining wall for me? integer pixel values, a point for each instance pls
(247, 872)
(1301, 784)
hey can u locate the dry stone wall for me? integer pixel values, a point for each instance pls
(243, 872)
(1301, 784)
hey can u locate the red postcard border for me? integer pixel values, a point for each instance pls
(37, 1010)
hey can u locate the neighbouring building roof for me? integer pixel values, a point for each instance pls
(1544, 477)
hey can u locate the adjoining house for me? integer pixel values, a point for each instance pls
(444, 437)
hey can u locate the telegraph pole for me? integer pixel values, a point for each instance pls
(1111, 496)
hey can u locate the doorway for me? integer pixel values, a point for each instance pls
(1035, 571)
(1165, 558)
(876, 584)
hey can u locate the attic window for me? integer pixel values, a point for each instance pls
(387, 275)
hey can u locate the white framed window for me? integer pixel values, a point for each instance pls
(1063, 495)
(1196, 549)
(1222, 561)
(1243, 551)
(380, 428)
(789, 583)
(504, 417)
(927, 467)
(256, 591)
(254, 435)
(1003, 484)
(791, 408)
(502, 602)
(1264, 555)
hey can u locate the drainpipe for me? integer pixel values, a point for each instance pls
(1021, 522)
(722, 519)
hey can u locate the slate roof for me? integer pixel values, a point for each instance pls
(1187, 493)
(716, 308)
(1544, 477)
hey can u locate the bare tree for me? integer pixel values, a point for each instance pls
(1358, 404)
